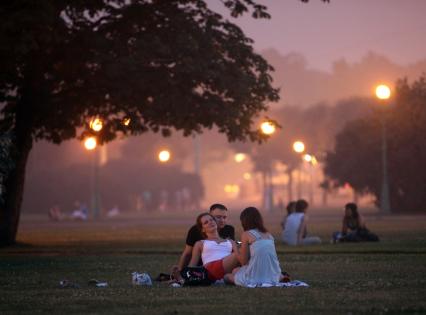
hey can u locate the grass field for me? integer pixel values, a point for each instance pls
(370, 278)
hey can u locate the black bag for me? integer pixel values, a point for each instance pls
(360, 235)
(367, 236)
(194, 276)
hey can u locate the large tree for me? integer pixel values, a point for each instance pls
(163, 64)
(356, 158)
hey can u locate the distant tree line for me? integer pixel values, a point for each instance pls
(130, 175)
(356, 158)
(316, 126)
(130, 186)
(347, 139)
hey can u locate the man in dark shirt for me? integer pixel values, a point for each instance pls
(220, 213)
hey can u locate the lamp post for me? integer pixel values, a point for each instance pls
(309, 158)
(383, 93)
(268, 128)
(91, 144)
(299, 147)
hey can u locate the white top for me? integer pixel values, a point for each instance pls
(213, 250)
(291, 228)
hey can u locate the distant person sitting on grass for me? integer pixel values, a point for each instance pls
(291, 207)
(353, 227)
(55, 213)
(220, 213)
(295, 229)
(80, 213)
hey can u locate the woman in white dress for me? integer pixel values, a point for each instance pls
(257, 255)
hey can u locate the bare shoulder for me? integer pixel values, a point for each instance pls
(247, 236)
(198, 244)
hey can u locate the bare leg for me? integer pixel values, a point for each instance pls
(229, 278)
(235, 270)
(176, 276)
(230, 262)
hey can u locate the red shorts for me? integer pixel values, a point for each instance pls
(215, 270)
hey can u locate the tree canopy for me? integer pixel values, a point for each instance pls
(164, 65)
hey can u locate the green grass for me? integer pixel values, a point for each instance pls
(370, 278)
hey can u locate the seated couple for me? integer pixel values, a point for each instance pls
(254, 263)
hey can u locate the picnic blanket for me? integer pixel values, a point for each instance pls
(294, 283)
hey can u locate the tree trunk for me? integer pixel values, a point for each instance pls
(14, 190)
(14, 182)
(324, 196)
(290, 184)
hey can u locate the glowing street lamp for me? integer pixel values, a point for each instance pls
(90, 143)
(267, 128)
(164, 156)
(299, 147)
(239, 157)
(308, 158)
(383, 93)
(126, 121)
(96, 124)
(311, 159)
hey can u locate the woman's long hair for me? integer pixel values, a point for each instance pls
(354, 210)
(252, 219)
(301, 206)
(291, 207)
(199, 224)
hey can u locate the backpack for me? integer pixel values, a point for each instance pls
(195, 276)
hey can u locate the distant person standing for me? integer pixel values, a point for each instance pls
(295, 229)
(353, 227)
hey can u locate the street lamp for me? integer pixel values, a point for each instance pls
(299, 147)
(311, 159)
(164, 156)
(96, 124)
(90, 143)
(383, 93)
(126, 121)
(239, 157)
(268, 128)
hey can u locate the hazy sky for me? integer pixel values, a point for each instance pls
(325, 32)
